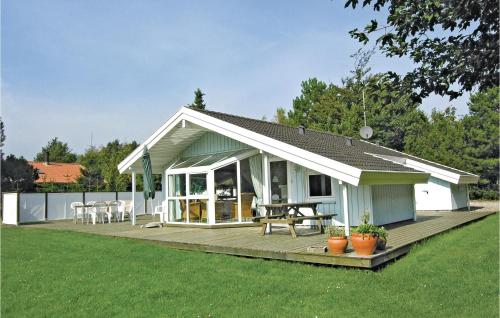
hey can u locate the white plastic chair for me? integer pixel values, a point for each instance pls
(125, 208)
(160, 210)
(102, 211)
(113, 210)
(91, 212)
(79, 212)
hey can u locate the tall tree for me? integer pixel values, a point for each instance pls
(198, 102)
(454, 44)
(101, 173)
(58, 152)
(17, 174)
(482, 139)
(339, 109)
(312, 90)
(91, 178)
(441, 140)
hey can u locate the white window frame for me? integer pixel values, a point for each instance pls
(308, 190)
(188, 196)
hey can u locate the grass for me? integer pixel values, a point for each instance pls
(49, 273)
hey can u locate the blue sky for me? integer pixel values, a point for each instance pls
(119, 69)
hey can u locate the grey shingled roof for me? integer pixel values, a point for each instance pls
(328, 145)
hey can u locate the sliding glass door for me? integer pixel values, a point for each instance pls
(226, 194)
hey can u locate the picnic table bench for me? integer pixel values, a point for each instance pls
(289, 214)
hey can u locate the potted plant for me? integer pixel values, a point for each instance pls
(382, 238)
(364, 237)
(337, 241)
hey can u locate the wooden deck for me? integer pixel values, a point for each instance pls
(246, 241)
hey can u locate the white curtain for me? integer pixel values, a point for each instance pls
(256, 174)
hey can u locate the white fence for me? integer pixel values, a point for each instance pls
(20, 208)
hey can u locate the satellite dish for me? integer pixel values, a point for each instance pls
(366, 132)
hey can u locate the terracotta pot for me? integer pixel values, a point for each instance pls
(337, 244)
(381, 244)
(364, 244)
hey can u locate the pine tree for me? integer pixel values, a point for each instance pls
(198, 103)
(482, 140)
(58, 152)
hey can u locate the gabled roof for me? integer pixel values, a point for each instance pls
(55, 172)
(360, 154)
(322, 152)
(322, 143)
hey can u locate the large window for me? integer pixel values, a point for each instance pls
(320, 185)
(187, 204)
(230, 192)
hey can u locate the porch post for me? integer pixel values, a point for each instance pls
(266, 188)
(238, 178)
(414, 203)
(165, 197)
(133, 196)
(468, 198)
(211, 197)
(345, 206)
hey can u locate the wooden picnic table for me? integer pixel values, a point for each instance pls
(289, 213)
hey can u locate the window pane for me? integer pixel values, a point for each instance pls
(177, 210)
(198, 184)
(320, 186)
(177, 185)
(198, 211)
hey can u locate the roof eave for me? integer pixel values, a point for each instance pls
(468, 179)
(369, 177)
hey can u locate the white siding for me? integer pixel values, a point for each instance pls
(360, 202)
(392, 203)
(210, 143)
(433, 195)
(297, 192)
(459, 197)
(296, 183)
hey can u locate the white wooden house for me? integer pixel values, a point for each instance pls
(217, 168)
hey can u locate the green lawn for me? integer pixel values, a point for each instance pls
(48, 273)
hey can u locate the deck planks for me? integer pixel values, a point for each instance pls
(246, 241)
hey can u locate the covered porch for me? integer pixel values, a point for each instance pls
(211, 180)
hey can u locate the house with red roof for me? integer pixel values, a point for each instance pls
(55, 172)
